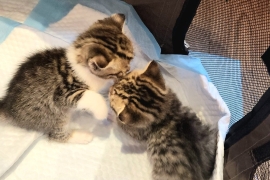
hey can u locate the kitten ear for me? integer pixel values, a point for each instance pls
(119, 18)
(128, 115)
(93, 54)
(152, 71)
(99, 60)
(124, 115)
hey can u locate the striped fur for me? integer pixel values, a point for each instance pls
(178, 144)
(54, 82)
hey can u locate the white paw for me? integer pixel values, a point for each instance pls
(80, 137)
(101, 109)
(95, 103)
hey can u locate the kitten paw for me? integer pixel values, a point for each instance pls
(94, 103)
(101, 110)
(80, 137)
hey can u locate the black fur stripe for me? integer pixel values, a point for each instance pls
(123, 56)
(108, 41)
(111, 47)
(144, 109)
(77, 97)
(148, 87)
(143, 105)
(149, 84)
(68, 89)
(71, 92)
(121, 95)
(148, 104)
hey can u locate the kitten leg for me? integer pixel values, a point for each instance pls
(59, 135)
(61, 132)
(94, 103)
(75, 136)
(80, 137)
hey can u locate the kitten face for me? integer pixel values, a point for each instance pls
(137, 98)
(104, 49)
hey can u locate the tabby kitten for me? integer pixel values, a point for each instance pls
(180, 147)
(52, 83)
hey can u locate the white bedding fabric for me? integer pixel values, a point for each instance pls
(17, 10)
(111, 155)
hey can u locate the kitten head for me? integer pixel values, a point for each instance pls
(104, 49)
(139, 98)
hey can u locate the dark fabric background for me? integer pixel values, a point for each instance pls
(159, 16)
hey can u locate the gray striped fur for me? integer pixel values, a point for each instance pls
(52, 83)
(180, 147)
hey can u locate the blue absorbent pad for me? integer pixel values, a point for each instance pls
(6, 26)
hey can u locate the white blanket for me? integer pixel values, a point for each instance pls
(112, 155)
